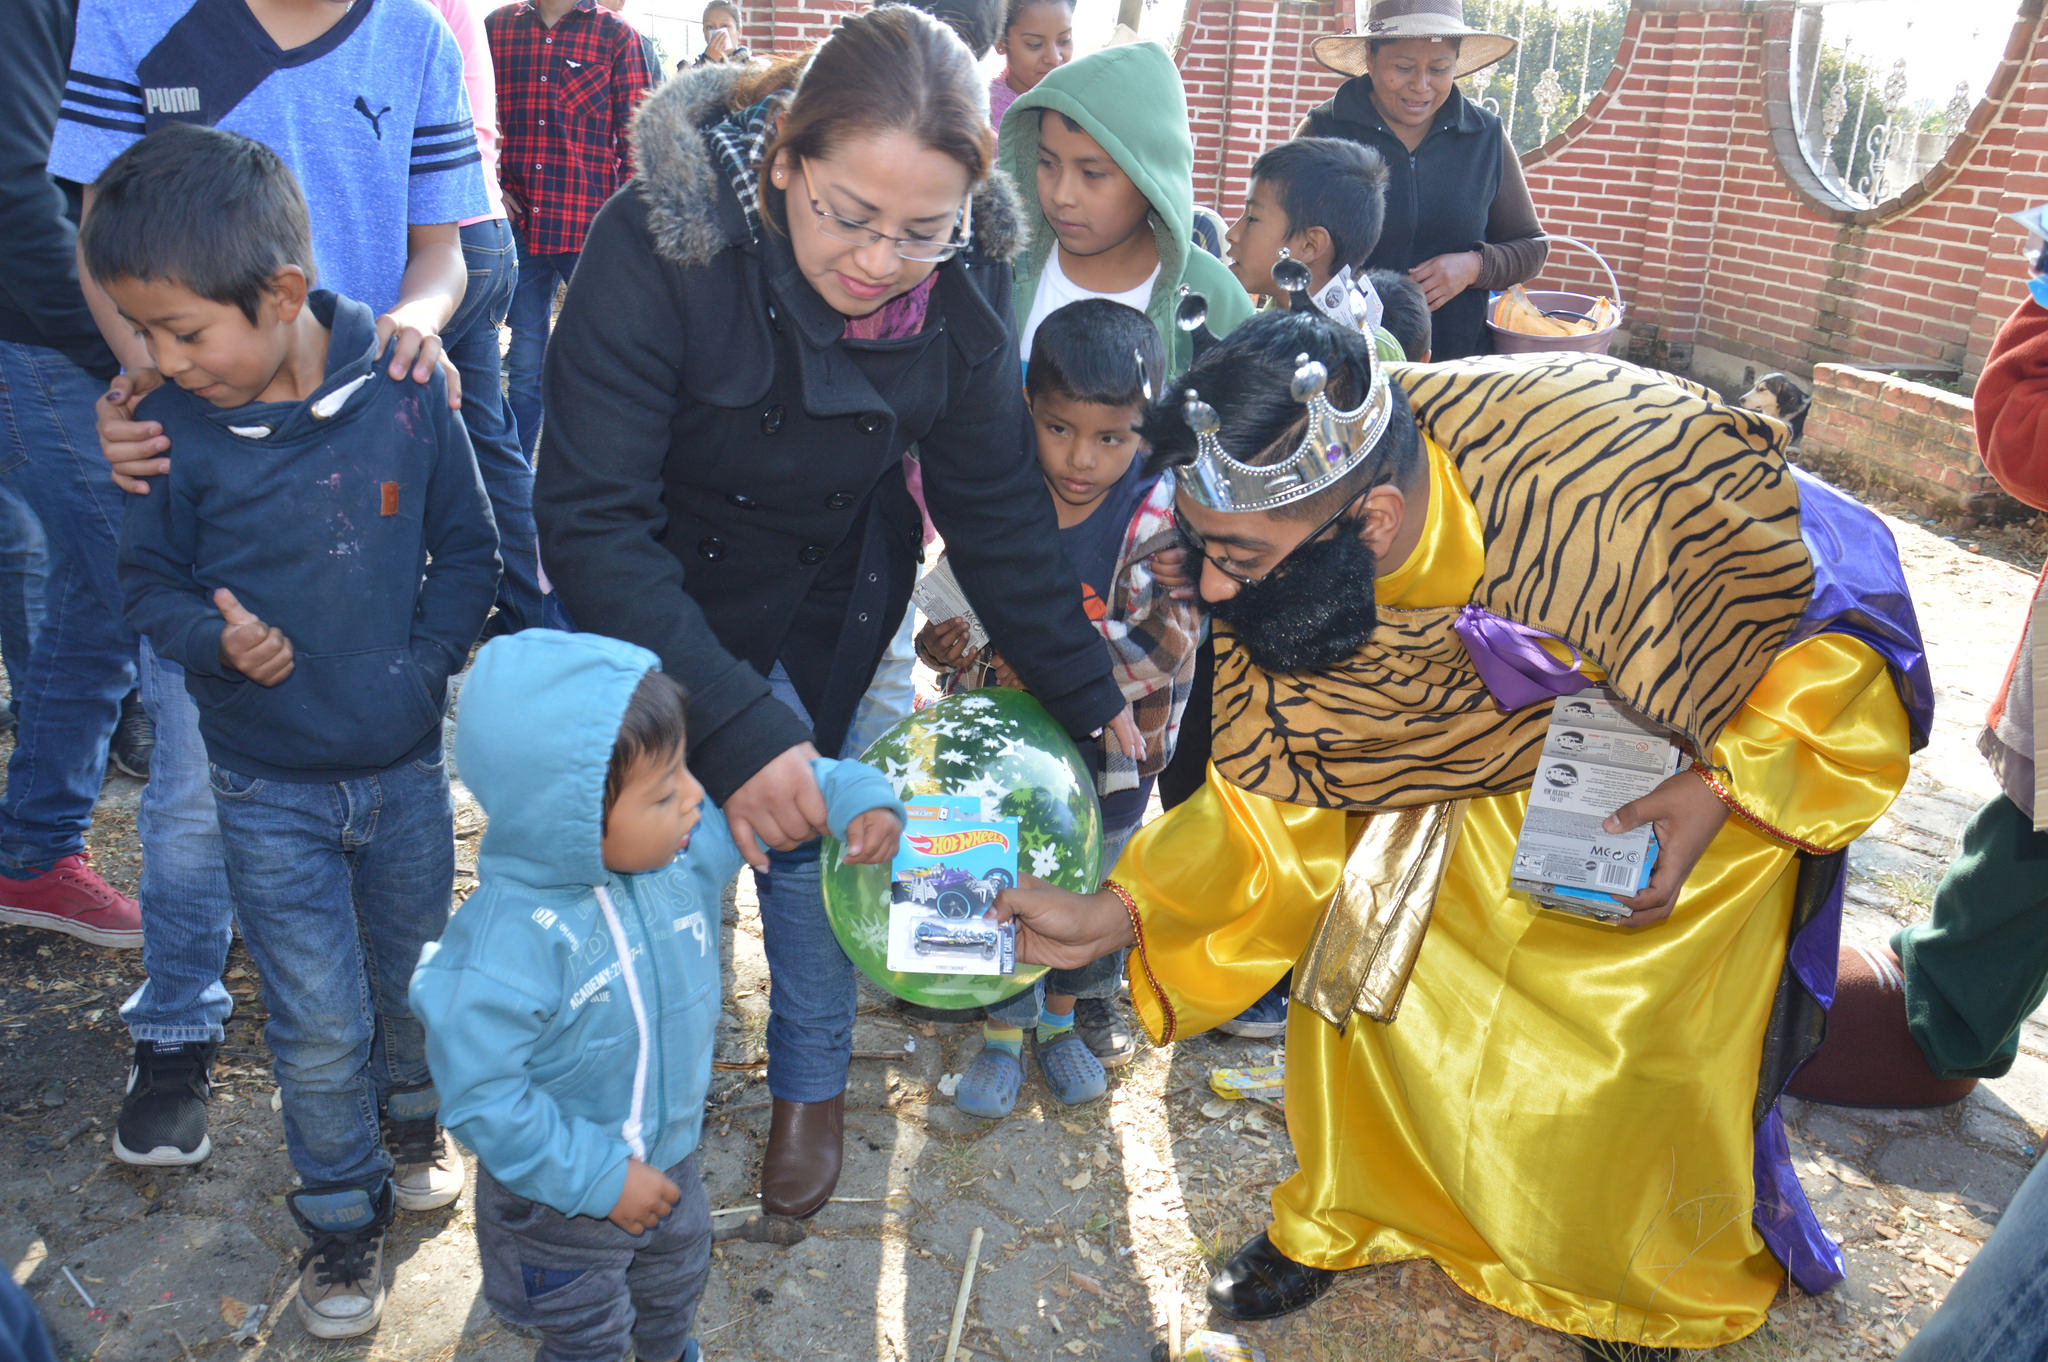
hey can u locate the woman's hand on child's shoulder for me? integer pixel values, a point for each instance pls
(135, 449)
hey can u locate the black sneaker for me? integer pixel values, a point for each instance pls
(134, 738)
(1100, 1024)
(163, 1117)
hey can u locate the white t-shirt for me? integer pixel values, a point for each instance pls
(1055, 291)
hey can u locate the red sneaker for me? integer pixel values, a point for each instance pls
(69, 897)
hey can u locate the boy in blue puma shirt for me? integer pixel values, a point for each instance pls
(571, 1007)
(318, 560)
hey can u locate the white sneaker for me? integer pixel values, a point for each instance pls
(341, 1275)
(426, 1168)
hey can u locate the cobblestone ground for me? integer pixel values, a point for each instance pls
(1100, 1225)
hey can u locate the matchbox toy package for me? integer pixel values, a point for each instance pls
(943, 884)
(1597, 756)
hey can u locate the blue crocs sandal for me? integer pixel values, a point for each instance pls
(989, 1087)
(1071, 1070)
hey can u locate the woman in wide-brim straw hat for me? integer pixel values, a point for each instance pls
(1459, 218)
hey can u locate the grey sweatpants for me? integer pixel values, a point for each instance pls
(585, 1285)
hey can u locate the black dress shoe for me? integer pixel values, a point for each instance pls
(1606, 1350)
(1261, 1282)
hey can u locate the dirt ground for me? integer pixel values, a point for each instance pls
(1100, 1225)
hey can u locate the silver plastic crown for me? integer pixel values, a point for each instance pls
(1333, 443)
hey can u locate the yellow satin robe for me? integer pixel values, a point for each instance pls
(1559, 1115)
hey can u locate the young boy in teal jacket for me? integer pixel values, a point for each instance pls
(571, 1006)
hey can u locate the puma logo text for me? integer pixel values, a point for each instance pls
(171, 99)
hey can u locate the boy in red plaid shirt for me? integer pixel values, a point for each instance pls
(570, 73)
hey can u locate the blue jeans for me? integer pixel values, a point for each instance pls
(471, 340)
(188, 920)
(337, 887)
(1998, 1309)
(812, 992)
(533, 307)
(24, 574)
(1097, 979)
(83, 659)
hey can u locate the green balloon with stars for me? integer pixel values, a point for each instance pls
(1000, 746)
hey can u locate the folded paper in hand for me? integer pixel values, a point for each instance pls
(938, 597)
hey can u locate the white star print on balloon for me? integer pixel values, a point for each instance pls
(984, 788)
(1045, 862)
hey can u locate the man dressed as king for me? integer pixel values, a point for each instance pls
(1578, 1121)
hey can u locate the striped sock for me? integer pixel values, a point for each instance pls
(1051, 1024)
(1009, 1038)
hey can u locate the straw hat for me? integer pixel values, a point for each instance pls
(1389, 20)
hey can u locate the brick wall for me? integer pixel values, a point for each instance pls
(1250, 79)
(787, 26)
(1908, 435)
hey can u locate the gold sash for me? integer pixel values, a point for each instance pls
(1365, 946)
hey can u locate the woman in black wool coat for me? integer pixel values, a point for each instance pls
(803, 280)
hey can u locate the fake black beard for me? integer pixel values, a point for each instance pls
(1315, 614)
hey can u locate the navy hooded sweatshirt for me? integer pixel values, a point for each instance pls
(355, 522)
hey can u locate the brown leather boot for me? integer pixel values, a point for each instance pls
(802, 1164)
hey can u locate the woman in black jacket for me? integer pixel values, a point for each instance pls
(796, 287)
(1460, 221)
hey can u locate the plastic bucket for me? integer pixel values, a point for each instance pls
(1508, 342)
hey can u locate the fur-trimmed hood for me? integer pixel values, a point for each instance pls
(692, 209)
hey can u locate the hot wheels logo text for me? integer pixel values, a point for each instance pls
(952, 843)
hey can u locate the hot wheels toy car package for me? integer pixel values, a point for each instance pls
(942, 890)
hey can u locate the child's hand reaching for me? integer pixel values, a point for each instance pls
(871, 838)
(1002, 673)
(647, 1197)
(942, 645)
(257, 650)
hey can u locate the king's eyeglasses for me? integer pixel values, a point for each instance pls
(908, 248)
(1194, 540)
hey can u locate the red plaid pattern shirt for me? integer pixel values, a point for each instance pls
(565, 95)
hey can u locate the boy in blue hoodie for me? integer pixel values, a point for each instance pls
(571, 1007)
(319, 560)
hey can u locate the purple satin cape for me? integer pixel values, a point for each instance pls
(1859, 589)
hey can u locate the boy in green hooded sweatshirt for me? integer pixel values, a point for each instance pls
(1105, 139)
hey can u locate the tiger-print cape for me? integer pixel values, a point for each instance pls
(1625, 511)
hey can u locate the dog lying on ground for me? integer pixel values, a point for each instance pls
(1776, 395)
